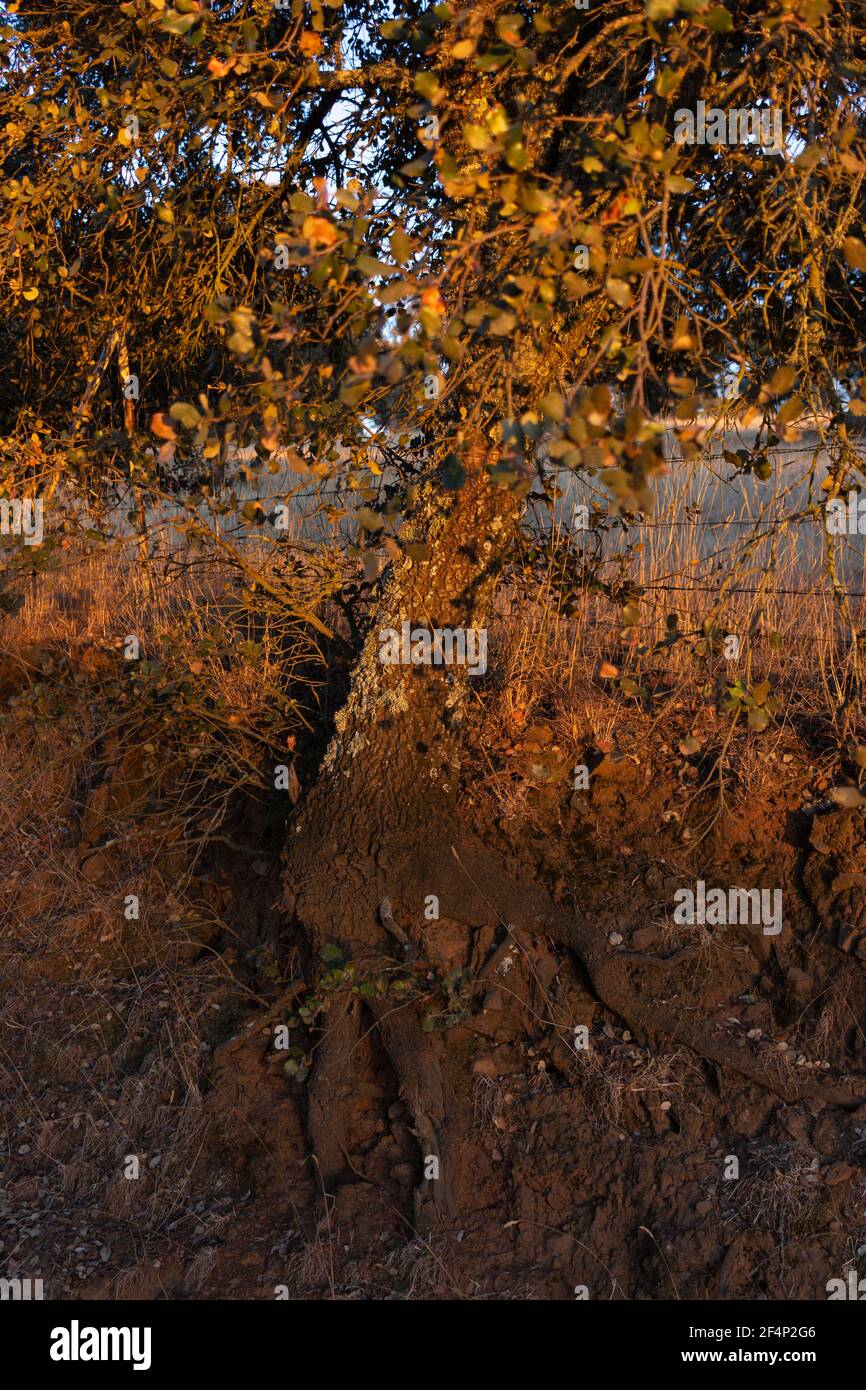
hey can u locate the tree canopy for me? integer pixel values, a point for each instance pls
(347, 230)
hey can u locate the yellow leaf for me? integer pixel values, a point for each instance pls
(476, 136)
(855, 252)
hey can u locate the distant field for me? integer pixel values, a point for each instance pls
(709, 519)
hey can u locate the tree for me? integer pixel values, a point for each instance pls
(469, 246)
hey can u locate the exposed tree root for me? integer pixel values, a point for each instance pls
(333, 1092)
(440, 1121)
(654, 996)
(647, 992)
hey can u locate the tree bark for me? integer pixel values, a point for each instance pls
(376, 833)
(388, 783)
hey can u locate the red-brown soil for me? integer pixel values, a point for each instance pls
(601, 1170)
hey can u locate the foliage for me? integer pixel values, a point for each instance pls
(351, 236)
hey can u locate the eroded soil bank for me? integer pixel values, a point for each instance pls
(630, 1167)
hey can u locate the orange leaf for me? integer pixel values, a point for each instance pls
(613, 212)
(432, 299)
(547, 223)
(162, 428)
(608, 672)
(319, 231)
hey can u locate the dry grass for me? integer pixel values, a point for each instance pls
(779, 1189)
(110, 790)
(554, 644)
(612, 1085)
(713, 553)
(331, 1266)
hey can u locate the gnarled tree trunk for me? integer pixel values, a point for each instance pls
(378, 831)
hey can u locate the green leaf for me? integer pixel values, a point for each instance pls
(186, 414)
(427, 85)
(241, 343)
(668, 80)
(352, 395)
(452, 347)
(476, 137)
(718, 19)
(178, 23)
(369, 265)
(553, 406)
(401, 245)
(430, 322)
(370, 520)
